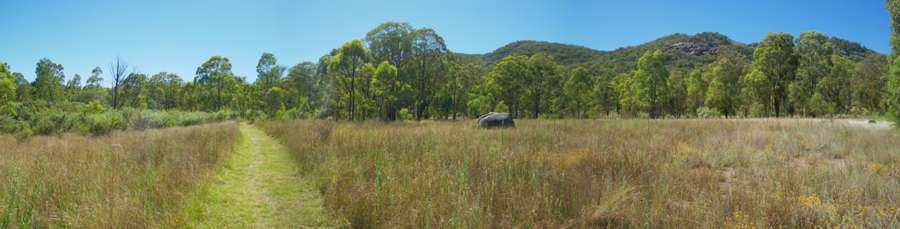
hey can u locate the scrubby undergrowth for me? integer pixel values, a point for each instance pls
(97, 120)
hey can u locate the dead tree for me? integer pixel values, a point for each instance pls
(118, 71)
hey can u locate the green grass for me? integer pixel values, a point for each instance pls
(259, 186)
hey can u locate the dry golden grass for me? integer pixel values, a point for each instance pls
(613, 173)
(134, 179)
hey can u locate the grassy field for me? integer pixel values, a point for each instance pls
(603, 173)
(133, 179)
(258, 187)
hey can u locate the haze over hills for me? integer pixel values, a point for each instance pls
(686, 51)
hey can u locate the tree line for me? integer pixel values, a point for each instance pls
(399, 72)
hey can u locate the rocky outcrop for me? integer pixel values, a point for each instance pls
(695, 49)
(496, 120)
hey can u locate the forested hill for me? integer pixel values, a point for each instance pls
(400, 72)
(561, 53)
(687, 51)
(852, 50)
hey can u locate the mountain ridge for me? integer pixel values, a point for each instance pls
(688, 51)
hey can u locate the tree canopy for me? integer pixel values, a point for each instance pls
(397, 71)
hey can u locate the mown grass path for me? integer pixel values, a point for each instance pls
(258, 187)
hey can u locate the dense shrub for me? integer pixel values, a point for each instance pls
(9, 124)
(89, 118)
(102, 124)
(706, 112)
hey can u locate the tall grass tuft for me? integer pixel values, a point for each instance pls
(133, 179)
(603, 173)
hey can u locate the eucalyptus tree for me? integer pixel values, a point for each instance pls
(774, 64)
(506, 82)
(676, 100)
(650, 82)
(868, 84)
(630, 94)
(96, 78)
(426, 54)
(387, 87)
(892, 97)
(303, 86)
(604, 97)
(24, 89)
(390, 41)
(7, 90)
(213, 77)
(93, 89)
(73, 87)
(696, 90)
(461, 79)
(268, 77)
(541, 80)
(835, 86)
(268, 72)
(166, 89)
(134, 91)
(724, 89)
(577, 92)
(814, 52)
(348, 66)
(48, 85)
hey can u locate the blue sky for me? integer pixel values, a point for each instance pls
(177, 36)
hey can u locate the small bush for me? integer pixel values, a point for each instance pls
(706, 112)
(105, 123)
(8, 124)
(404, 114)
(24, 133)
(48, 124)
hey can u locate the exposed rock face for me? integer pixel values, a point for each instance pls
(496, 120)
(695, 49)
